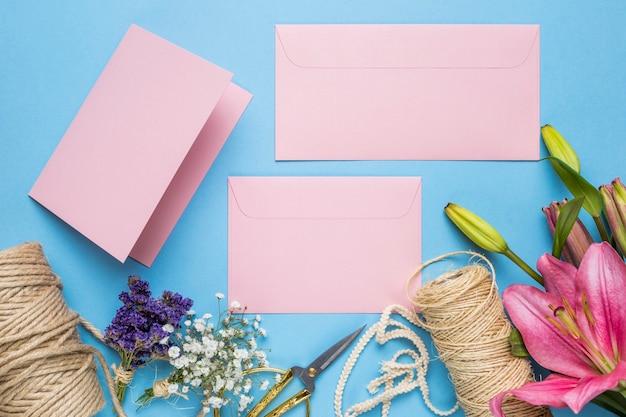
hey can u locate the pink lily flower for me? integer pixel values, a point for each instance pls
(576, 329)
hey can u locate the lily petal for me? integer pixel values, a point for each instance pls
(590, 387)
(601, 277)
(548, 392)
(528, 308)
(559, 277)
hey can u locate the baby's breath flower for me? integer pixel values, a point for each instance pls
(199, 325)
(244, 402)
(211, 359)
(173, 352)
(215, 402)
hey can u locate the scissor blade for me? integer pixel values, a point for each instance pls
(325, 359)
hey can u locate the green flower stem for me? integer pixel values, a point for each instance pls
(523, 265)
(121, 391)
(601, 229)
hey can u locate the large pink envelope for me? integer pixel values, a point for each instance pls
(322, 244)
(140, 145)
(407, 92)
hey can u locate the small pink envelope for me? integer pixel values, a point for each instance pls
(322, 244)
(407, 92)
(140, 145)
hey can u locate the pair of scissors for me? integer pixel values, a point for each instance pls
(307, 375)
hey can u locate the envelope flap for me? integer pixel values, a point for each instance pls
(324, 197)
(407, 46)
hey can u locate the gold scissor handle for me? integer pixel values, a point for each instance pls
(290, 403)
(271, 394)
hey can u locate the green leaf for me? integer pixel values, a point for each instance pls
(612, 401)
(578, 186)
(517, 344)
(566, 220)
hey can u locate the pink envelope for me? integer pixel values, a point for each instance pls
(407, 92)
(140, 145)
(322, 244)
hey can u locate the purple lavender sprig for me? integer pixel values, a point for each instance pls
(140, 330)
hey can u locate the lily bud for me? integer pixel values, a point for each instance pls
(578, 240)
(614, 198)
(486, 236)
(476, 229)
(559, 148)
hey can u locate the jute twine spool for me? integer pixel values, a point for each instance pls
(45, 369)
(463, 312)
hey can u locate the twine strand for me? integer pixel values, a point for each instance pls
(45, 369)
(160, 390)
(121, 375)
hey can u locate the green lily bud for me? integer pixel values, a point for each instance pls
(486, 236)
(614, 198)
(476, 229)
(559, 148)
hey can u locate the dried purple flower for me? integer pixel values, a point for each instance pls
(141, 327)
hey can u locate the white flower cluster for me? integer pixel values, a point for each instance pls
(212, 360)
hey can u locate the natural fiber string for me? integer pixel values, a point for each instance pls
(121, 375)
(463, 312)
(45, 369)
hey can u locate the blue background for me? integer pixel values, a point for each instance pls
(51, 53)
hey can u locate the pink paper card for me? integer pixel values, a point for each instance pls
(140, 145)
(322, 244)
(407, 92)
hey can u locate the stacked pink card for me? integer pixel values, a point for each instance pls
(140, 145)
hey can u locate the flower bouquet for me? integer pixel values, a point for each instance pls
(141, 328)
(213, 361)
(574, 325)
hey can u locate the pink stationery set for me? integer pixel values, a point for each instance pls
(372, 92)
(158, 116)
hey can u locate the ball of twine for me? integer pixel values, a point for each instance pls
(45, 369)
(463, 312)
